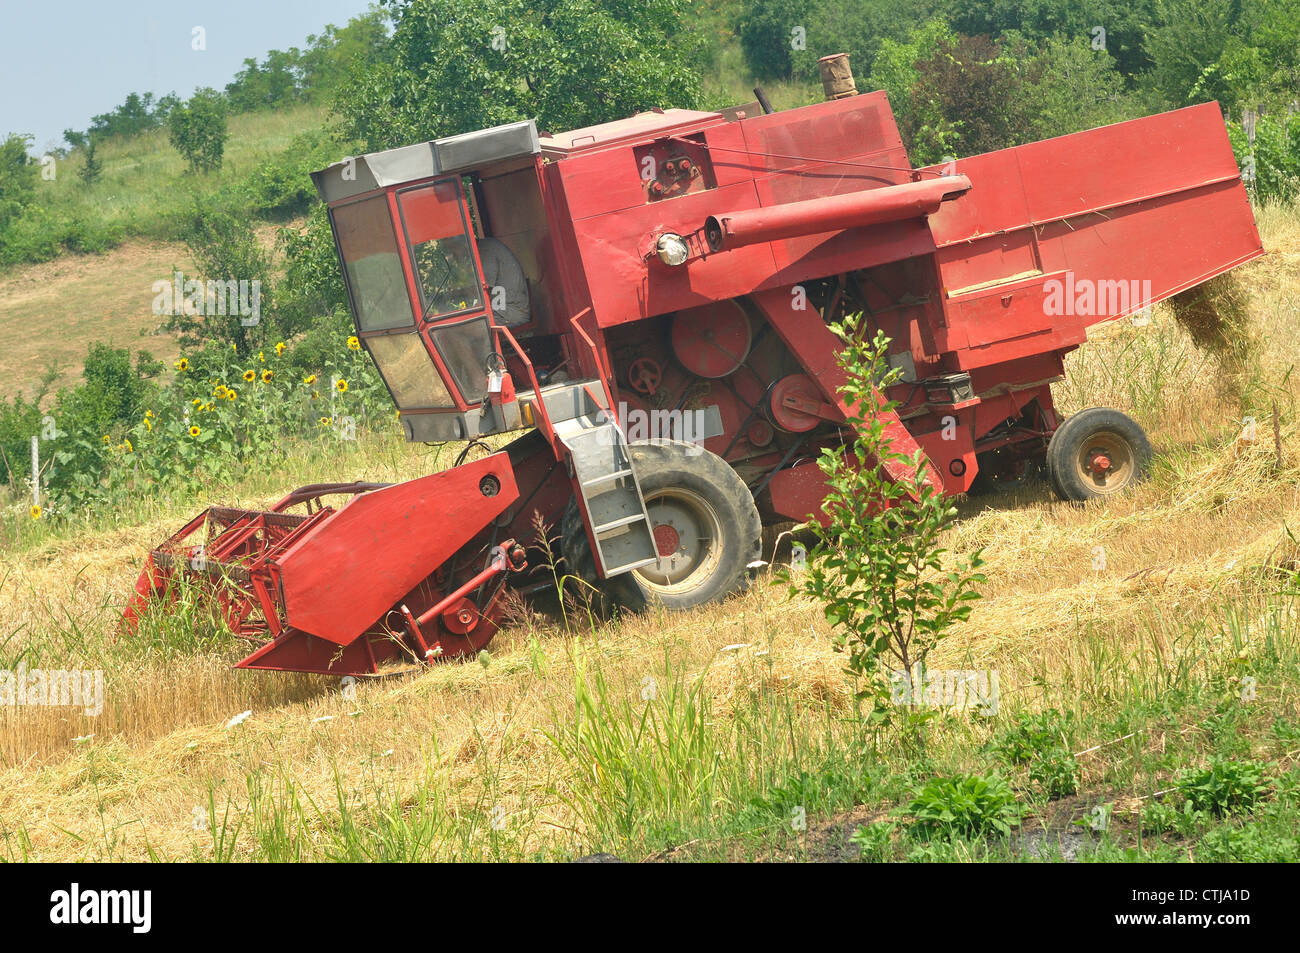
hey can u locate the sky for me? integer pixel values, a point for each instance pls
(62, 63)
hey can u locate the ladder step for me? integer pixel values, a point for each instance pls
(615, 524)
(606, 478)
(628, 567)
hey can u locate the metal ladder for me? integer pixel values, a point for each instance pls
(603, 477)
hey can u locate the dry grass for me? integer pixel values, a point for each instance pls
(464, 741)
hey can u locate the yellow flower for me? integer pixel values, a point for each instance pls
(195, 431)
(36, 512)
(260, 357)
(354, 344)
(148, 413)
(325, 421)
(231, 393)
(266, 377)
(148, 426)
(126, 445)
(315, 395)
(309, 379)
(219, 391)
(105, 438)
(279, 348)
(249, 375)
(341, 385)
(183, 365)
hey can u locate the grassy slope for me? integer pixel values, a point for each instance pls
(51, 311)
(144, 177)
(550, 750)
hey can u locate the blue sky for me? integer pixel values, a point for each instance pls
(61, 63)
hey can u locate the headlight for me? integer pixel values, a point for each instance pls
(672, 249)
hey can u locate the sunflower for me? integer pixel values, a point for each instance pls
(105, 438)
(309, 379)
(126, 446)
(279, 348)
(341, 386)
(231, 393)
(36, 511)
(354, 343)
(183, 364)
(315, 395)
(209, 407)
(148, 413)
(250, 375)
(266, 377)
(260, 357)
(219, 391)
(195, 431)
(325, 421)
(148, 426)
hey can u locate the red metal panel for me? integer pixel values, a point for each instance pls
(625, 287)
(816, 348)
(1058, 235)
(351, 569)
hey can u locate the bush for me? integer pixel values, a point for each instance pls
(1224, 787)
(964, 806)
(118, 433)
(197, 130)
(1032, 735)
(42, 232)
(1272, 166)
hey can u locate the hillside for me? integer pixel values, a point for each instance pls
(1176, 652)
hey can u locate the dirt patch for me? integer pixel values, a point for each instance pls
(49, 313)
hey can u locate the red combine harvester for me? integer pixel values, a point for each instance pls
(646, 302)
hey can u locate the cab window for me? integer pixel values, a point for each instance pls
(441, 255)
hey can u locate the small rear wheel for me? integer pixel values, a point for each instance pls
(1097, 453)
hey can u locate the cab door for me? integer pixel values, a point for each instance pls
(447, 284)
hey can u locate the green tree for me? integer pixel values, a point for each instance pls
(878, 567)
(225, 248)
(17, 178)
(1070, 87)
(767, 31)
(336, 52)
(1115, 26)
(895, 71)
(956, 95)
(1186, 41)
(197, 130)
(458, 65)
(860, 29)
(91, 168)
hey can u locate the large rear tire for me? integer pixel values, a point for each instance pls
(1097, 453)
(704, 521)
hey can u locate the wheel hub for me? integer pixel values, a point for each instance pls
(667, 540)
(1106, 462)
(687, 535)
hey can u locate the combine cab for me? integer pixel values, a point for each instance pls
(645, 303)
